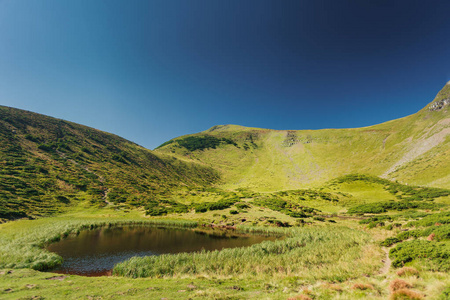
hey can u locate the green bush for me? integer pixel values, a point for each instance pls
(390, 241)
(381, 207)
(445, 294)
(441, 232)
(31, 138)
(219, 205)
(157, 211)
(441, 218)
(373, 208)
(193, 143)
(288, 208)
(242, 205)
(436, 252)
(375, 224)
(45, 147)
(373, 219)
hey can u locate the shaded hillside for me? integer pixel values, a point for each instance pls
(414, 150)
(48, 164)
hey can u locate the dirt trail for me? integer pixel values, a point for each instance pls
(387, 262)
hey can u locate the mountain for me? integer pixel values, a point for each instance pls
(48, 165)
(412, 150)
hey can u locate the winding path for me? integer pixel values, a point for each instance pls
(387, 262)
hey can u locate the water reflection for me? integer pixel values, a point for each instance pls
(95, 252)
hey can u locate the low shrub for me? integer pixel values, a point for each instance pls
(286, 207)
(436, 252)
(429, 220)
(219, 205)
(242, 205)
(381, 207)
(440, 232)
(390, 241)
(193, 143)
(445, 294)
(374, 219)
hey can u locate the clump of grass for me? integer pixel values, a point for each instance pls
(300, 297)
(306, 291)
(362, 286)
(333, 287)
(399, 284)
(265, 230)
(405, 294)
(407, 271)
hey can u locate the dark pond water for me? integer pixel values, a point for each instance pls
(95, 252)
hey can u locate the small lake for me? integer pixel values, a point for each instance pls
(95, 252)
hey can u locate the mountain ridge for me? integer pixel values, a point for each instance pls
(50, 164)
(305, 156)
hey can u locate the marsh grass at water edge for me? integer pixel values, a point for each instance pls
(333, 253)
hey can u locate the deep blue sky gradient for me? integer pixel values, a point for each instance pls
(153, 70)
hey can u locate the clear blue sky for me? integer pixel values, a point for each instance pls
(153, 70)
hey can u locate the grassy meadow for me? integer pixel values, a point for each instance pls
(328, 251)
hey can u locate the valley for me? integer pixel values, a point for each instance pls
(364, 212)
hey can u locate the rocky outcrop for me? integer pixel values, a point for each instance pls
(438, 105)
(291, 139)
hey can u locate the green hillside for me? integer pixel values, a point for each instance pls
(48, 165)
(364, 212)
(412, 150)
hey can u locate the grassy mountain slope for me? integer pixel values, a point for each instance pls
(412, 150)
(48, 164)
(353, 237)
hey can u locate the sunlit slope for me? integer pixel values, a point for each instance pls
(414, 150)
(48, 164)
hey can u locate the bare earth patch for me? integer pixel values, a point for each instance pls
(60, 278)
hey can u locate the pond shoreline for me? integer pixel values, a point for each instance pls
(95, 252)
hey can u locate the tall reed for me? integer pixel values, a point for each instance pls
(329, 253)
